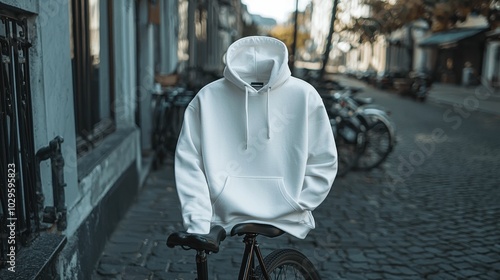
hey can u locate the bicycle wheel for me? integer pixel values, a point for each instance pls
(288, 264)
(378, 146)
(349, 139)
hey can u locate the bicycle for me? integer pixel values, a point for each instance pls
(380, 139)
(280, 263)
(379, 130)
(364, 133)
(168, 110)
(348, 131)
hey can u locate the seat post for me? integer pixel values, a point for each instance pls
(247, 263)
(201, 265)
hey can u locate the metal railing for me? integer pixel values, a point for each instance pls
(19, 196)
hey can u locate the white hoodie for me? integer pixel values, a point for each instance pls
(247, 155)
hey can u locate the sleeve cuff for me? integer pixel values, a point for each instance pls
(198, 226)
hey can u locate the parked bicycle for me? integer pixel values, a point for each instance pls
(364, 133)
(169, 105)
(279, 264)
(168, 111)
(348, 131)
(421, 83)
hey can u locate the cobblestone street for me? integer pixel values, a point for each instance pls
(431, 211)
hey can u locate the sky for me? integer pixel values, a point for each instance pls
(277, 9)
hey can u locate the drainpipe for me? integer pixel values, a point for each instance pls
(56, 213)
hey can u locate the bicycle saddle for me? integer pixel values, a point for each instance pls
(253, 228)
(201, 242)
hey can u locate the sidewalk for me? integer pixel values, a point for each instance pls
(474, 98)
(362, 232)
(137, 249)
(471, 98)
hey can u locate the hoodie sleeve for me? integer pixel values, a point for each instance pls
(191, 184)
(321, 167)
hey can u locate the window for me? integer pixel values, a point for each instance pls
(92, 61)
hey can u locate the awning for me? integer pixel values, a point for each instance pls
(450, 36)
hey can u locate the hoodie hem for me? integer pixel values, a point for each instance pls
(298, 228)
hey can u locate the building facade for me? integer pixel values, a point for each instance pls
(75, 116)
(447, 55)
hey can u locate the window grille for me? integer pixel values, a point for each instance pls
(19, 196)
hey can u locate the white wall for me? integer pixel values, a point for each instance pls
(125, 62)
(366, 56)
(379, 60)
(421, 56)
(320, 23)
(94, 186)
(146, 72)
(168, 29)
(53, 107)
(489, 60)
(52, 95)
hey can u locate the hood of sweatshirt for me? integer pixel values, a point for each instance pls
(257, 59)
(256, 65)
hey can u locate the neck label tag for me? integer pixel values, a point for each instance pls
(257, 85)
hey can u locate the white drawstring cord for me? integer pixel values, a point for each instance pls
(247, 133)
(246, 118)
(268, 121)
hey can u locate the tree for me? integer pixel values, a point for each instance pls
(285, 33)
(441, 15)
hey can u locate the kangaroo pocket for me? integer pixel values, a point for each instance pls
(261, 198)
